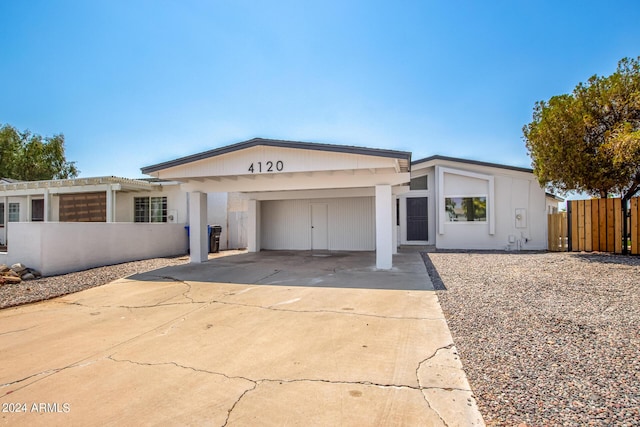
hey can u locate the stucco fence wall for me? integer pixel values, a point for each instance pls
(57, 248)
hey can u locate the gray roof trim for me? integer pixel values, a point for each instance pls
(472, 162)
(554, 196)
(404, 155)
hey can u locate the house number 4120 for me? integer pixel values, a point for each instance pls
(268, 166)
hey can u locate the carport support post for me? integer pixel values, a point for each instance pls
(384, 232)
(253, 228)
(198, 235)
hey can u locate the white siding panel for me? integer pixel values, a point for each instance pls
(292, 160)
(352, 224)
(286, 224)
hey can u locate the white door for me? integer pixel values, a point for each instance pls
(319, 226)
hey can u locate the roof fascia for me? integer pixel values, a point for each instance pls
(405, 155)
(437, 158)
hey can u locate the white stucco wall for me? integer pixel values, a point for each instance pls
(217, 215)
(56, 248)
(514, 193)
(176, 203)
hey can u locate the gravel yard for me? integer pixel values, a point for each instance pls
(55, 286)
(546, 338)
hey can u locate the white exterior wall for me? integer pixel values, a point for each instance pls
(217, 215)
(286, 224)
(176, 203)
(237, 220)
(5, 236)
(88, 245)
(512, 191)
(274, 160)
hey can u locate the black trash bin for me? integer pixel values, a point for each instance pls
(214, 238)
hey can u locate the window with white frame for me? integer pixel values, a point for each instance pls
(466, 209)
(150, 209)
(418, 183)
(14, 212)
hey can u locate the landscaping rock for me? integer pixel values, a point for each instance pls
(18, 267)
(11, 280)
(28, 276)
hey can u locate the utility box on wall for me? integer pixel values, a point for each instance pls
(521, 218)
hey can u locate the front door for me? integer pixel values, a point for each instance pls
(417, 225)
(319, 226)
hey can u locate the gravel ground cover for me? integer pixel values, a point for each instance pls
(55, 286)
(545, 338)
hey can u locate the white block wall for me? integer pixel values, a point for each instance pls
(62, 247)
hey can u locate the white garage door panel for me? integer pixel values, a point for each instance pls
(354, 227)
(286, 224)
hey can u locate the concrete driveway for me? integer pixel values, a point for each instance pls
(274, 338)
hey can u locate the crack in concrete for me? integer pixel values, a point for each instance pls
(17, 330)
(187, 284)
(267, 276)
(272, 307)
(132, 307)
(218, 301)
(177, 365)
(226, 420)
(253, 387)
(45, 374)
(37, 374)
(277, 380)
(422, 389)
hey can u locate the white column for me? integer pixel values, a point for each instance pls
(394, 224)
(198, 236)
(47, 204)
(3, 236)
(109, 204)
(29, 208)
(253, 228)
(384, 233)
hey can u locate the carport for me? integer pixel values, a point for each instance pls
(301, 195)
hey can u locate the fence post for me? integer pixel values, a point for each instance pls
(625, 227)
(569, 208)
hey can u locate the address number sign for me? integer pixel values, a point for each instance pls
(269, 166)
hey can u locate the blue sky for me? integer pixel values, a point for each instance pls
(133, 83)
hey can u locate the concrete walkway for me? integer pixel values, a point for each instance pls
(275, 338)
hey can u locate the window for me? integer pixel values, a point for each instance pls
(37, 210)
(158, 209)
(1, 214)
(418, 183)
(14, 212)
(150, 209)
(466, 209)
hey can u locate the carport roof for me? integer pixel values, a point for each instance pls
(401, 155)
(73, 185)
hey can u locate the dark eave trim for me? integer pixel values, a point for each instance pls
(403, 155)
(471, 162)
(554, 196)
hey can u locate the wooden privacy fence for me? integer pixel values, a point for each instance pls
(557, 232)
(595, 225)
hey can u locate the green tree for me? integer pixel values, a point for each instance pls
(30, 157)
(589, 140)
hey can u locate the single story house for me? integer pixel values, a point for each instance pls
(273, 195)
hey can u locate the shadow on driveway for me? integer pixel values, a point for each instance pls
(303, 268)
